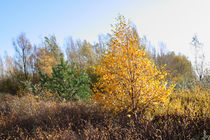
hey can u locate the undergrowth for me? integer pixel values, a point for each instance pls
(30, 117)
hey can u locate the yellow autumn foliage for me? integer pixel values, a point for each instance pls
(128, 79)
(45, 61)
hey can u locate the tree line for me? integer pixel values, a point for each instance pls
(45, 63)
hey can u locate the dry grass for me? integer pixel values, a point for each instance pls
(29, 117)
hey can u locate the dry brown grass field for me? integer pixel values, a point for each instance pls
(187, 116)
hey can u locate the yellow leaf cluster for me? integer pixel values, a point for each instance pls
(45, 61)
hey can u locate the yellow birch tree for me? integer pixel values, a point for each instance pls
(129, 81)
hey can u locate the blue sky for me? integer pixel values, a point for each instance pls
(173, 22)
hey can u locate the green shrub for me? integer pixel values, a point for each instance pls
(9, 85)
(67, 82)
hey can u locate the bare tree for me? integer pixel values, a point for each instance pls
(199, 57)
(23, 49)
(1, 68)
(72, 51)
(85, 54)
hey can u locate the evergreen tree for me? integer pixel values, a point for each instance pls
(67, 82)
